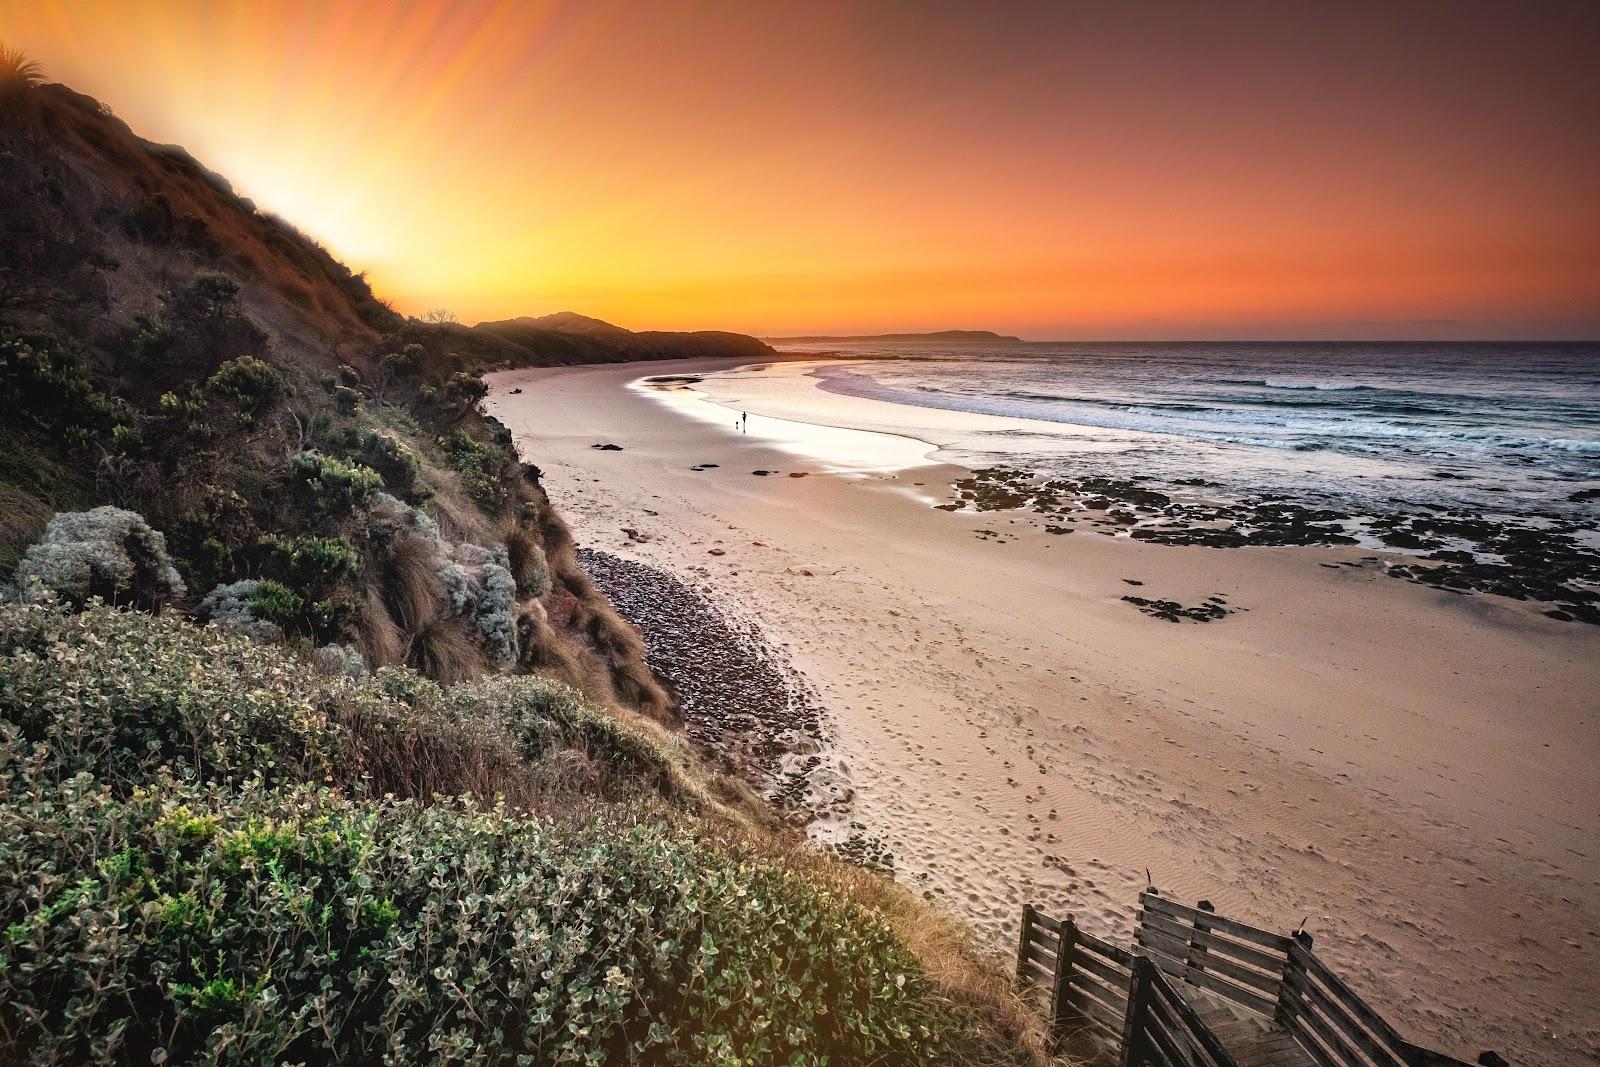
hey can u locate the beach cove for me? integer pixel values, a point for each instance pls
(1408, 770)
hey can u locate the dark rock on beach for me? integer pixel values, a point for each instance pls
(1172, 611)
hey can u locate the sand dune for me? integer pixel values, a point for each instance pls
(1413, 773)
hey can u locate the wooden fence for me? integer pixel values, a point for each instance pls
(1105, 1000)
(1087, 979)
(1163, 1030)
(1195, 945)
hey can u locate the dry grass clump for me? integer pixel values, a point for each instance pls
(589, 614)
(528, 564)
(18, 74)
(445, 649)
(373, 630)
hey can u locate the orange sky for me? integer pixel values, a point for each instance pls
(1097, 170)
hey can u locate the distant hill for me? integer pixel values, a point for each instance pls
(567, 337)
(988, 337)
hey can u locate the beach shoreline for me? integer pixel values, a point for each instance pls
(1407, 768)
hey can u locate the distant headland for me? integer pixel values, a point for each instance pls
(973, 336)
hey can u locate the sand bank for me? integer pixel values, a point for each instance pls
(1414, 773)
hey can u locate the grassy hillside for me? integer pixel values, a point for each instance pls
(317, 744)
(172, 351)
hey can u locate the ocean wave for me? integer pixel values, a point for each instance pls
(1499, 417)
(1320, 387)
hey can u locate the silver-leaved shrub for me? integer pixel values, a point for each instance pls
(232, 607)
(106, 552)
(477, 580)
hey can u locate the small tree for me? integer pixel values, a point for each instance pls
(465, 390)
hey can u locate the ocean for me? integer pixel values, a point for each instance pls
(1492, 429)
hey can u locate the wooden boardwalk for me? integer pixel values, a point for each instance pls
(1253, 1040)
(1202, 990)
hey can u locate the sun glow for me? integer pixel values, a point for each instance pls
(1088, 172)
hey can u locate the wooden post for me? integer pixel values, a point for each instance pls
(1022, 946)
(1133, 1040)
(1288, 999)
(1196, 960)
(1061, 986)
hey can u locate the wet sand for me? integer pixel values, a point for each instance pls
(1416, 774)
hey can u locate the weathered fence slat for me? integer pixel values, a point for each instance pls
(1338, 1051)
(1112, 997)
(1219, 941)
(1094, 1011)
(1307, 963)
(1163, 1030)
(1066, 945)
(1034, 954)
(1029, 920)
(1231, 927)
(1115, 974)
(1162, 952)
(1134, 1042)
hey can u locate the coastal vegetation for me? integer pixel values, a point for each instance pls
(217, 851)
(317, 742)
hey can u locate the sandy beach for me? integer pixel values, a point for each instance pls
(1412, 773)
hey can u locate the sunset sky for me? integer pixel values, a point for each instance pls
(1104, 170)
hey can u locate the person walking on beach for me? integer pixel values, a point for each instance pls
(744, 422)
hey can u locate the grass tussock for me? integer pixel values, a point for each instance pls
(374, 632)
(970, 983)
(445, 649)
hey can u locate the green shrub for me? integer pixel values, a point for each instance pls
(479, 465)
(276, 603)
(204, 325)
(499, 432)
(465, 390)
(248, 385)
(334, 486)
(181, 426)
(265, 610)
(231, 606)
(41, 384)
(399, 466)
(346, 399)
(185, 924)
(314, 563)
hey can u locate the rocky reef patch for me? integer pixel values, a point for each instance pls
(1549, 558)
